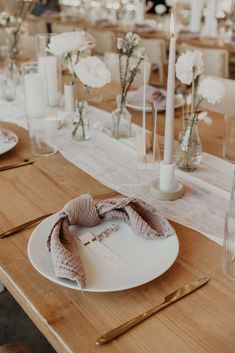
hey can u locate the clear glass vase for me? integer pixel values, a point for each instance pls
(13, 36)
(121, 122)
(189, 149)
(81, 125)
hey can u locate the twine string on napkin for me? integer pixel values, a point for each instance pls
(145, 221)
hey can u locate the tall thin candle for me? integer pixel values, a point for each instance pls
(144, 110)
(169, 118)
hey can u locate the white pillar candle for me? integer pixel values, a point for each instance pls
(140, 11)
(195, 16)
(49, 70)
(35, 103)
(69, 97)
(210, 28)
(169, 118)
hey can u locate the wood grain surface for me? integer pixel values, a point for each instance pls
(203, 322)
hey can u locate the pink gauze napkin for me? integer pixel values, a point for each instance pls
(152, 94)
(145, 221)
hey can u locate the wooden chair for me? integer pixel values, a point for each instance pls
(216, 61)
(156, 53)
(61, 28)
(105, 42)
(227, 106)
(16, 347)
(37, 26)
(28, 46)
(112, 62)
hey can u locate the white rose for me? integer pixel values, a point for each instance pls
(92, 72)
(160, 9)
(188, 66)
(69, 42)
(212, 90)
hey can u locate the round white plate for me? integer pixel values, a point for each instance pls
(8, 140)
(145, 259)
(179, 102)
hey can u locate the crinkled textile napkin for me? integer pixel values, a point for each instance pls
(145, 221)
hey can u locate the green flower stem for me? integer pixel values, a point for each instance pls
(74, 77)
(80, 111)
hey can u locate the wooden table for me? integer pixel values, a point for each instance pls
(72, 320)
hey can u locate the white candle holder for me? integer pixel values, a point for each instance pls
(166, 187)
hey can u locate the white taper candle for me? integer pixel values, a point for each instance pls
(169, 118)
(144, 109)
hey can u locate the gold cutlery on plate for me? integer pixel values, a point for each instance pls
(15, 165)
(23, 226)
(169, 299)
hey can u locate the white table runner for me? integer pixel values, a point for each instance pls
(114, 163)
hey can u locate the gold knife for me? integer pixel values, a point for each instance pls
(169, 299)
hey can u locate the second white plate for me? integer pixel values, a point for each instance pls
(8, 140)
(179, 102)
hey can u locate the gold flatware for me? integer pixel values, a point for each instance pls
(169, 299)
(23, 226)
(15, 165)
(29, 223)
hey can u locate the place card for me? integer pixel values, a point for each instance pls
(103, 252)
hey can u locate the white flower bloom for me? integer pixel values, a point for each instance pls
(92, 72)
(212, 90)
(160, 9)
(188, 66)
(133, 39)
(69, 42)
(120, 43)
(202, 116)
(189, 99)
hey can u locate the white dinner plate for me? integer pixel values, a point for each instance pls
(179, 102)
(8, 140)
(145, 259)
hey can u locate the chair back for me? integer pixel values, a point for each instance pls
(105, 42)
(156, 53)
(28, 46)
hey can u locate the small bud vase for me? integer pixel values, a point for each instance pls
(121, 122)
(189, 150)
(81, 125)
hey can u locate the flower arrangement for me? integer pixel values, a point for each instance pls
(14, 26)
(130, 54)
(93, 73)
(69, 46)
(189, 67)
(130, 57)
